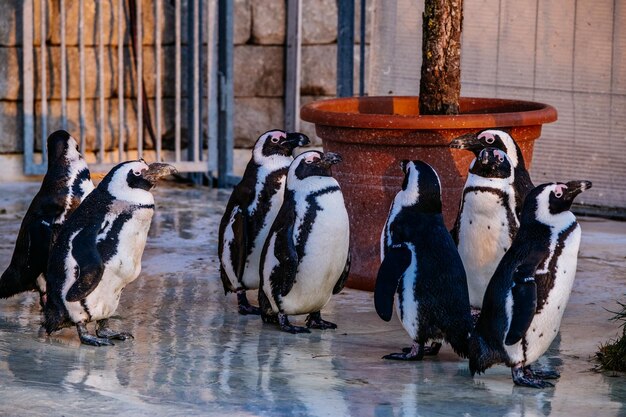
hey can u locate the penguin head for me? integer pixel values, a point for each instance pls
(133, 180)
(62, 148)
(277, 143)
(311, 165)
(548, 202)
(490, 138)
(492, 163)
(421, 188)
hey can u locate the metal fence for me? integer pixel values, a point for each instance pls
(199, 153)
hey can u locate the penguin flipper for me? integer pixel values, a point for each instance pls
(90, 265)
(289, 259)
(524, 293)
(396, 262)
(344, 275)
(240, 230)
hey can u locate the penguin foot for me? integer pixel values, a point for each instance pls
(91, 340)
(314, 321)
(103, 331)
(431, 350)
(414, 353)
(541, 374)
(520, 378)
(285, 326)
(244, 306)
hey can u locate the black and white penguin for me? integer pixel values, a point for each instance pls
(486, 223)
(501, 140)
(98, 251)
(306, 257)
(250, 211)
(527, 295)
(66, 183)
(421, 269)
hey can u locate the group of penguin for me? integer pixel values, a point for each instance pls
(80, 245)
(494, 287)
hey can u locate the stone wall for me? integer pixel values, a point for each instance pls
(259, 62)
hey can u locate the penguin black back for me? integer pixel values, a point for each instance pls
(66, 183)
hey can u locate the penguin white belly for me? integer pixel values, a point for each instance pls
(251, 276)
(120, 270)
(483, 240)
(408, 312)
(545, 325)
(326, 253)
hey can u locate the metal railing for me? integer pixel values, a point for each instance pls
(197, 154)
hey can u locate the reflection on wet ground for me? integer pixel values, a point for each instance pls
(193, 355)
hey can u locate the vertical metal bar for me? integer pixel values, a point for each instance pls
(81, 58)
(100, 85)
(193, 87)
(63, 69)
(226, 99)
(44, 80)
(139, 51)
(212, 85)
(345, 48)
(177, 100)
(120, 80)
(362, 49)
(157, 41)
(292, 65)
(28, 88)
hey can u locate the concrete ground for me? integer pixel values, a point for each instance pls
(193, 355)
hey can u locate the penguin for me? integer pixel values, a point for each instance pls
(306, 257)
(487, 222)
(98, 251)
(526, 297)
(66, 183)
(250, 211)
(421, 269)
(501, 140)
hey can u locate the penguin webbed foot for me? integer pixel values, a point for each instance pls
(521, 378)
(285, 326)
(243, 305)
(414, 353)
(103, 331)
(89, 339)
(315, 321)
(541, 373)
(431, 350)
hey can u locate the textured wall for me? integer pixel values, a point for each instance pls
(570, 54)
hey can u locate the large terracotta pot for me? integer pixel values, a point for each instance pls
(373, 134)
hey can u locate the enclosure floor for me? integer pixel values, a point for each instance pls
(194, 355)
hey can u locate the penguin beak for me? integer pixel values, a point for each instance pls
(156, 171)
(329, 159)
(469, 142)
(576, 187)
(295, 139)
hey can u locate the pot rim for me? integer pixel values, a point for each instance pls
(402, 112)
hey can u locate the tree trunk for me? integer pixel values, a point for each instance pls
(440, 83)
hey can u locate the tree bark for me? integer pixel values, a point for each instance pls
(440, 83)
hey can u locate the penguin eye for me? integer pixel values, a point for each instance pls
(136, 173)
(489, 139)
(275, 139)
(308, 161)
(558, 194)
(500, 158)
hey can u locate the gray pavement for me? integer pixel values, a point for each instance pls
(193, 355)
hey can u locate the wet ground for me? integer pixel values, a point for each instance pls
(193, 355)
